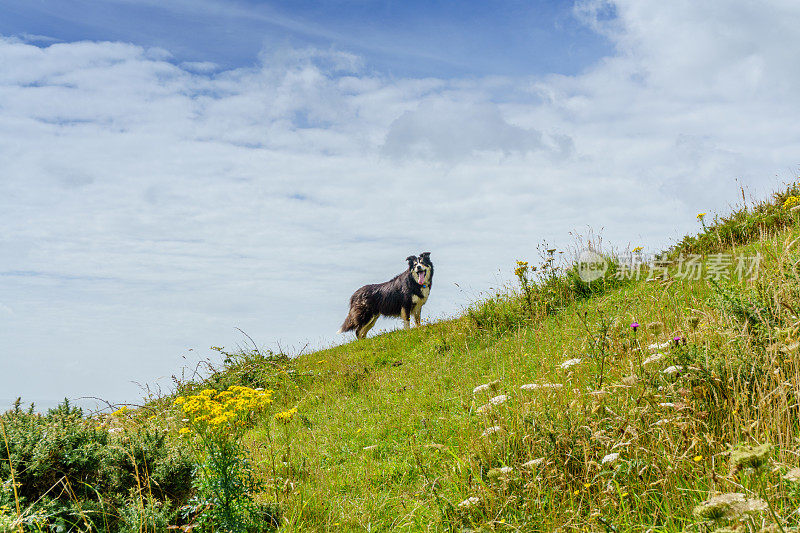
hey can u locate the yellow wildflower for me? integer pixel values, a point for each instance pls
(700, 216)
(791, 202)
(637, 249)
(286, 416)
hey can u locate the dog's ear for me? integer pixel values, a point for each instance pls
(411, 259)
(425, 257)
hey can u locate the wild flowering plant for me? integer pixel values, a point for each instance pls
(215, 423)
(791, 201)
(523, 272)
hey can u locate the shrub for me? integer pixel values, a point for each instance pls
(71, 473)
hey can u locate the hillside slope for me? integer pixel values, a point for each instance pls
(622, 404)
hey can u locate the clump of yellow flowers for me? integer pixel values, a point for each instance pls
(213, 411)
(791, 202)
(522, 269)
(286, 416)
(224, 478)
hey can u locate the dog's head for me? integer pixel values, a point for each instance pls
(421, 268)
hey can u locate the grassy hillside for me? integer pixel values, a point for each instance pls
(541, 408)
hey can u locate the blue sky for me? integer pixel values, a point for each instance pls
(169, 176)
(412, 38)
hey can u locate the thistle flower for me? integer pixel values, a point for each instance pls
(635, 326)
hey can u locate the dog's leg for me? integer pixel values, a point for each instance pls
(363, 330)
(418, 316)
(405, 317)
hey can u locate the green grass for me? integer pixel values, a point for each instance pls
(389, 435)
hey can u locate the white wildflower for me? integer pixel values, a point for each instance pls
(368, 448)
(491, 430)
(610, 458)
(661, 346)
(570, 362)
(536, 386)
(533, 462)
(729, 505)
(653, 358)
(502, 473)
(499, 400)
(674, 369)
(483, 409)
(472, 501)
(485, 387)
(115, 430)
(667, 404)
(793, 475)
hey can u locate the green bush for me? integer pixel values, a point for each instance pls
(72, 474)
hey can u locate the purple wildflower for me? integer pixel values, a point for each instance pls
(635, 325)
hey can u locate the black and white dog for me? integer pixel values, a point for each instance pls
(403, 296)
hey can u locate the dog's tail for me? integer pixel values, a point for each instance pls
(350, 323)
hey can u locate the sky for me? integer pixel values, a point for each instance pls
(173, 173)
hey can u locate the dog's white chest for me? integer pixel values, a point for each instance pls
(425, 292)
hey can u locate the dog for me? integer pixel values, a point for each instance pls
(403, 296)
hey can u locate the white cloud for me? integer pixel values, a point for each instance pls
(148, 207)
(446, 130)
